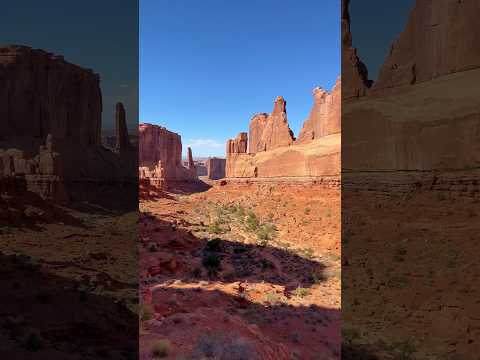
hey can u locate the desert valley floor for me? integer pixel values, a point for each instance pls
(241, 269)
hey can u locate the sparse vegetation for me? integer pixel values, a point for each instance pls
(146, 312)
(301, 292)
(161, 349)
(212, 263)
(217, 346)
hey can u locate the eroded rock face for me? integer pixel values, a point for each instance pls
(238, 145)
(160, 155)
(422, 114)
(324, 118)
(216, 168)
(277, 133)
(441, 37)
(123, 142)
(255, 133)
(354, 71)
(273, 151)
(39, 96)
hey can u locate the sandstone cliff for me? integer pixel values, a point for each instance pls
(40, 95)
(422, 113)
(50, 136)
(160, 155)
(324, 118)
(440, 38)
(272, 150)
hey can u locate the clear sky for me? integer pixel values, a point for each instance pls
(206, 67)
(100, 35)
(374, 25)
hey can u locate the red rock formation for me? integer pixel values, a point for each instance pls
(238, 145)
(255, 133)
(354, 71)
(123, 142)
(273, 152)
(324, 118)
(441, 37)
(160, 155)
(191, 164)
(277, 133)
(40, 95)
(422, 113)
(216, 168)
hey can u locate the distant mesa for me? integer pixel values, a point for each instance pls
(270, 150)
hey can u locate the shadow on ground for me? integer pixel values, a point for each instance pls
(43, 316)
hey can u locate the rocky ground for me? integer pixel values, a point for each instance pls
(241, 271)
(69, 281)
(410, 267)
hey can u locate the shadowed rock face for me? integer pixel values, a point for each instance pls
(50, 134)
(160, 155)
(123, 142)
(441, 37)
(40, 95)
(422, 113)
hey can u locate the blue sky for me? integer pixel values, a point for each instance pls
(374, 25)
(207, 66)
(101, 35)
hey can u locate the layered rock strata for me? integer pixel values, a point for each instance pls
(160, 156)
(273, 151)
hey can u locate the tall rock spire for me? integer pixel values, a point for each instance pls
(121, 129)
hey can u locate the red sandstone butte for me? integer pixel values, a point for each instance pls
(160, 155)
(40, 95)
(441, 37)
(324, 118)
(272, 151)
(422, 113)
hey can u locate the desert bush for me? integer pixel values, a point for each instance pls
(301, 292)
(161, 348)
(307, 211)
(212, 263)
(215, 228)
(214, 245)
(146, 312)
(252, 221)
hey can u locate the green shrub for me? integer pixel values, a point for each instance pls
(161, 348)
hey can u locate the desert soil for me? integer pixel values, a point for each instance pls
(241, 271)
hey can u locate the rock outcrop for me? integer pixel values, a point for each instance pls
(324, 118)
(238, 145)
(43, 94)
(216, 168)
(422, 113)
(273, 151)
(50, 136)
(123, 142)
(160, 155)
(354, 71)
(440, 38)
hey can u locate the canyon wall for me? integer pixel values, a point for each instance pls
(160, 155)
(270, 150)
(422, 113)
(50, 136)
(40, 95)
